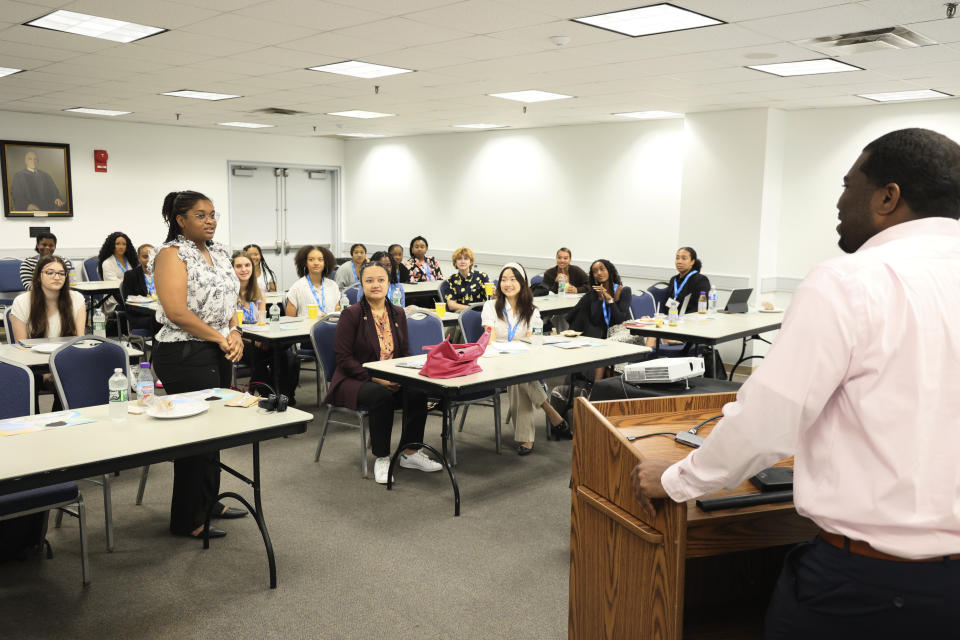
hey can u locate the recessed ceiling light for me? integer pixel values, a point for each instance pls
(82, 24)
(645, 21)
(893, 96)
(531, 95)
(247, 125)
(359, 69)
(7, 71)
(805, 67)
(360, 113)
(98, 112)
(199, 95)
(362, 135)
(481, 125)
(649, 115)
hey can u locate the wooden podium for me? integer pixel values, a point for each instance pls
(633, 578)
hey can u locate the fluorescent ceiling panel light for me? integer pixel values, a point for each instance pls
(362, 135)
(480, 125)
(531, 95)
(82, 24)
(199, 95)
(359, 69)
(645, 21)
(7, 71)
(649, 115)
(360, 113)
(805, 67)
(894, 96)
(98, 112)
(247, 125)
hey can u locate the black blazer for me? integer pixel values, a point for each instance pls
(697, 283)
(134, 283)
(578, 278)
(587, 316)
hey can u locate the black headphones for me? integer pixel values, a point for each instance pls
(273, 402)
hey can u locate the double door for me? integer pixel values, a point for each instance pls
(281, 209)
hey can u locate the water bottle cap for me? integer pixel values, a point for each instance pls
(144, 365)
(118, 370)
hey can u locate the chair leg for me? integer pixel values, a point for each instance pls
(108, 511)
(463, 416)
(456, 412)
(363, 447)
(84, 563)
(496, 417)
(59, 519)
(143, 483)
(323, 434)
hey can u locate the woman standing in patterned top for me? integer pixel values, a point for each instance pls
(198, 339)
(465, 287)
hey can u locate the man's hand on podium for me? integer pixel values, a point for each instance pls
(646, 483)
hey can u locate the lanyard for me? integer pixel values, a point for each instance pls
(122, 268)
(606, 309)
(250, 312)
(511, 328)
(323, 294)
(425, 267)
(151, 287)
(676, 289)
(356, 278)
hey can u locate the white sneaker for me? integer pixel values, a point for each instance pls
(419, 460)
(380, 470)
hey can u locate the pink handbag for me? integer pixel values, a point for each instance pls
(446, 360)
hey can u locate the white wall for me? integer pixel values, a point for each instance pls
(146, 162)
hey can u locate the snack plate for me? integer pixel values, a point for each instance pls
(179, 410)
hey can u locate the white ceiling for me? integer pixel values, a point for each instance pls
(462, 50)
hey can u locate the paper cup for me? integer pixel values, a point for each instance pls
(441, 308)
(239, 317)
(312, 311)
(488, 287)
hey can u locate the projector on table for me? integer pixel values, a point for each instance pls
(663, 370)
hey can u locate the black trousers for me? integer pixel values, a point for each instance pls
(381, 403)
(825, 593)
(192, 366)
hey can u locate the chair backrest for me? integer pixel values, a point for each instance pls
(470, 326)
(353, 293)
(643, 304)
(660, 292)
(16, 390)
(90, 269)
(535, 280)
(7, 327)
(81, 371)
(443, 290)
(322, 335)
(10, 274)
(423, 329)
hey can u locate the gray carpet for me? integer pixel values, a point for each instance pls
(353, 560)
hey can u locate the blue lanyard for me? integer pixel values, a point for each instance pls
(426, 269)
(356, 278)
(122, 268)
(676, 289)
(606, 309)
(250, 312)
(511, 328)
(151, 288)
(323, 294)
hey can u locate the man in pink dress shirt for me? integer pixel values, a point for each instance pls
(860, 386)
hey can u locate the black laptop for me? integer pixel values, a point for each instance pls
(737, 303)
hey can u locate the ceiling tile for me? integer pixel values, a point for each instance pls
(902, 11)
(402, 32)
(397, 7)
(198, 43)
(249, 29)
(845, 18)
(312, 14)
(155, 13)
(479, 17)
(939, 30)
(37, 38)
(740, 10)
(339, 46)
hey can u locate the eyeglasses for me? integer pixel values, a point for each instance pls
(54, 274)
(202, 217)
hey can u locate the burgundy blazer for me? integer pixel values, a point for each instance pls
(356, 342)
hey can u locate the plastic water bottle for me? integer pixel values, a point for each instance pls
(119, 387)
(395, 297)
(99, 323)
(712, 300)
(274, 313)
(144, 385)
(562, 284)
(702, 303)
(672, 316)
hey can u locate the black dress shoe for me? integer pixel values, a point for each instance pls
(230, 513)
(561, 430)
(524, 451)
(214, 533)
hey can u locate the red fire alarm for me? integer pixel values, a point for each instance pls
(100, 161)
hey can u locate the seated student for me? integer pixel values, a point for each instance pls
(251, 302)
(689, 280)
(422, 268)
(314, 266)
(571, 274)
(116, 257)
(510, 316)
(46, 246)
(396, 252)
(137, 282)
(374, 329)
(348, 272)
(605, 308)
(466, 285)
(263, 273)
(395, 292)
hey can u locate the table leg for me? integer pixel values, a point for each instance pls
(443, 459)
(256, 510)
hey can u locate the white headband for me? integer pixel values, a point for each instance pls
(516, 266)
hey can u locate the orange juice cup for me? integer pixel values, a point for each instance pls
(312, 311)
(488, 287)
(239, 317)
(441, 308)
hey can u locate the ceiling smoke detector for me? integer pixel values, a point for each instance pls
(560, 41)
(866, 41)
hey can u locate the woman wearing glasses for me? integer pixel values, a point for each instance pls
(197, 342)
(50, 309)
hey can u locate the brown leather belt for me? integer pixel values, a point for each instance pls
(861, 548)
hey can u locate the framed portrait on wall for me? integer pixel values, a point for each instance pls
(36, 179)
